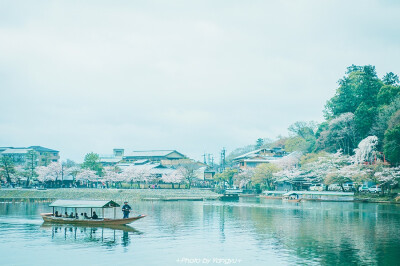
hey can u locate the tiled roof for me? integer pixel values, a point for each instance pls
(152, 153)
(43, 149)
(16, 151)
(110, 160)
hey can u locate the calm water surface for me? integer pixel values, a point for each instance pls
(250, 232)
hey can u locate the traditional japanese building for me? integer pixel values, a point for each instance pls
(261, 156)
(154, 155)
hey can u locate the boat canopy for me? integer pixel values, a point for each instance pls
(84, 204)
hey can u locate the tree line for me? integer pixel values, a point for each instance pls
(361, 127)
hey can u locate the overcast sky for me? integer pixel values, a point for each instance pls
(194, 76)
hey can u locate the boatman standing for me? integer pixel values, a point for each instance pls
(126, 209)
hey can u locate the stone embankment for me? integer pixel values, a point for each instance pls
(118, 195)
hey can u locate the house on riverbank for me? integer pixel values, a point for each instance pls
(261, 156)
(165, 157)
(19, 155)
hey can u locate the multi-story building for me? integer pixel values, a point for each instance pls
(165, 157)
(42, 155)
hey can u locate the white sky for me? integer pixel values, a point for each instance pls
(194, 76)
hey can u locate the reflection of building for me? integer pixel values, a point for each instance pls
(254, 158)
(43, 156)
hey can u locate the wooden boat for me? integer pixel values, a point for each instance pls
(292, 200)
(88, 204)
(291, 197)
(122, 227)
(231, 195)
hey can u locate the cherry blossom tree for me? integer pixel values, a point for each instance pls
(387, 177)
(189, 172)
(243, 178)
(366, 151)
(136, 173)
(87, 175)
(174, 177)
(111, 174)
(53, 172)
(290, 161)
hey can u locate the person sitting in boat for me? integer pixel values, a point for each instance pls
(56, 214)
(66, 215)
(85, 216)
(71, 215)
(126, 209)
(81, 217)
(76, 216)
(94, 216)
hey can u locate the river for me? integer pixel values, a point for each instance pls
(252, 231)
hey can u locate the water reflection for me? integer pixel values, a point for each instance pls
(104, 235)
(257, 231)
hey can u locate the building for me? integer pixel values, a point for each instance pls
(165, 157)
(46, 155)
(261, 156)
(150, 170)
(154, 156)
(42, 156)
(113, 159)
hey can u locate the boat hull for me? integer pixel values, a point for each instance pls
(229, 197)
(292, 200)
(48, 217)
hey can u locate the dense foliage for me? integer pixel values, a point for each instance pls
(358, 141)
(363, 105)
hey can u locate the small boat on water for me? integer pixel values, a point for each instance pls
(291, 197)
(87, 204)
(231, 195)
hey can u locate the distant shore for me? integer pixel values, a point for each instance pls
(118, 195)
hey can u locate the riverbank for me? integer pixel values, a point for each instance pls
(372, 198)
(118, 195)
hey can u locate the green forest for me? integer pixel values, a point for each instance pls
(363, 105)
(358, 141)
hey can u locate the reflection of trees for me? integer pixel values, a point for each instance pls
(174, 216)
(332, 233)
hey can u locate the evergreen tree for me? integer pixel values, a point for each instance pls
(7, 167)
(364, 118)
(31, 163)
(392, 145)
(92, 162)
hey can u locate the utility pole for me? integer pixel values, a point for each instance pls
(223, 152)
(204, 158)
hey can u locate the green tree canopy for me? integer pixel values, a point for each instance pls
(31, 163)
(263, 175)
(92, 162)
(392, 145)
(361, 85)
(7, 168)
(390, 79)
(387, 93)
(226, 176)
